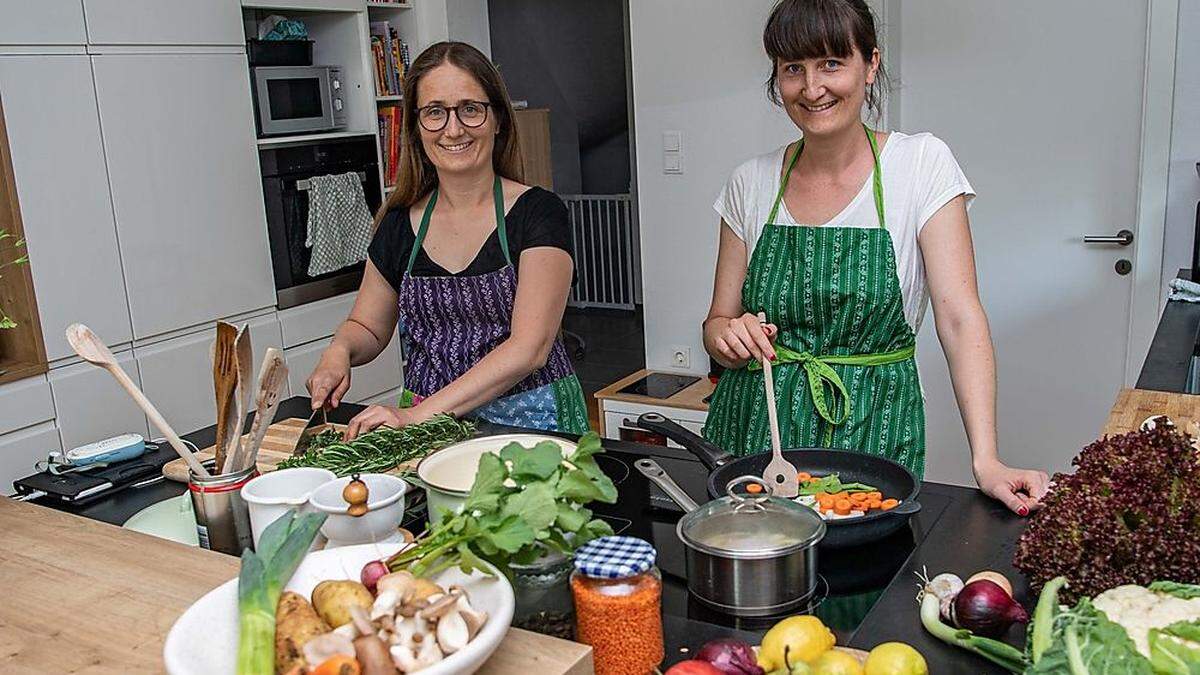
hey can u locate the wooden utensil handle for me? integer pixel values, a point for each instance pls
(769, 383)
(157, 419)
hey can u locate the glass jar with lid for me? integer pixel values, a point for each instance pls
(618, 604)
(543, 596)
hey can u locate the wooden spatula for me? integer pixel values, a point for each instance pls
(245, 370)
(225, 372)
(272, 378)
(780, 473)
(92, 349)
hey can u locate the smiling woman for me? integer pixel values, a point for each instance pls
(475, 264)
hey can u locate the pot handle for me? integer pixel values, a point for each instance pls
(709, 454)
(907, 508)
(651, 469)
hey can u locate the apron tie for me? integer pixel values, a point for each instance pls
(821, 377)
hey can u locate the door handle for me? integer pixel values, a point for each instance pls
(1122, 238)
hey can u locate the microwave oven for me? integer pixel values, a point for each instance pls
(298, 99)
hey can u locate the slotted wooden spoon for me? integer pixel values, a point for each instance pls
(780, 473)
(92, 349)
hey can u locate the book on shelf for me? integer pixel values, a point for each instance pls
(389, 141)
(391, 58)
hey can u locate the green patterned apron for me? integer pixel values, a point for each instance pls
(846, 375)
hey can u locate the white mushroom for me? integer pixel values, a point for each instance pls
(474, 618)
(324, 647)
(452, 632)
(411, 659)
(360, 621)
(439, 606)
(402, 582)
(348, 629)
(385, 603)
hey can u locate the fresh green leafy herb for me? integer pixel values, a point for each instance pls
(382, 449)
(1083, 641)
(524, 502)
(1185, 591)
(830, 484)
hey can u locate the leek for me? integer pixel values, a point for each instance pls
(260, 583)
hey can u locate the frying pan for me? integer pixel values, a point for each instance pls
(889, 477)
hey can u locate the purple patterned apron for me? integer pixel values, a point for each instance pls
(454, 321)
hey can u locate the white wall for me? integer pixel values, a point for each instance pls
(467, 21)
(1183, 189)
(698, 67)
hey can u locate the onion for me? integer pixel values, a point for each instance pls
(945, 586)
(998, 578)
(730, 656)
(984, 608)
(372, 572)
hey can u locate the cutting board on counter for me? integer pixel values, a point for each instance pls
(276, 446)
(1133, 406)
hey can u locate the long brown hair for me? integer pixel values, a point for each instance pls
(416, 175)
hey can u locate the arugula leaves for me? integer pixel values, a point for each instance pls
(524, 502)
(830, 484)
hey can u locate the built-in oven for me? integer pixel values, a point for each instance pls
(286, 180)
(298, 99)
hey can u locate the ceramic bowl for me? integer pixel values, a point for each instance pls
(275, 493)
(385, 510)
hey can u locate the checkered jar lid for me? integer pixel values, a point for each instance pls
(615, 557)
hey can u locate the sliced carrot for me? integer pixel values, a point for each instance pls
(858, 496)
(842, 507)
(889, 504)
(754, 488)
(819, 495)
(338, 665)
(803, 477)
(874, 504)
(875, 495)
(825, 505)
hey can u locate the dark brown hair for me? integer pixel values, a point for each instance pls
(811, 29)
(416, 176)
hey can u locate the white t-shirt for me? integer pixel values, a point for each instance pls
(920, 175)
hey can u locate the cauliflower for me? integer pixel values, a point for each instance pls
(1138, 609)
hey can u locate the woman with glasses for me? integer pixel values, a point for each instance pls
(476, 264)
(841, 239)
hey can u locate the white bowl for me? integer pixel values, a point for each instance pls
(385, 510)
(273, 494)
(449, 473)
(204, 639)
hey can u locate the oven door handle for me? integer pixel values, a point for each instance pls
(304, 184)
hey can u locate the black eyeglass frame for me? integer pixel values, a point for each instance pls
(453, 109)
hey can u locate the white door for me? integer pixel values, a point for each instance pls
(1042, 107)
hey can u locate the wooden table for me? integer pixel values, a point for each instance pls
(81, 596)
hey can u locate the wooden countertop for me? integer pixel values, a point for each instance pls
(689, 398)
(82, 596)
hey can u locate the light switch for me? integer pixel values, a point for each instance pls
(672, 141)
(672, 163)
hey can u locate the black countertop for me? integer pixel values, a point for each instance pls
(962, 532)
(1176, 340)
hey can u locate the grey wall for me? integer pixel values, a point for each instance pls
(570, 57)
(1183, 185)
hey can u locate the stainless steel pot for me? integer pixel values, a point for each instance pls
(747, 555)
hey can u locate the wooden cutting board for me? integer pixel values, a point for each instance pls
(277, 446)
(1133, 406)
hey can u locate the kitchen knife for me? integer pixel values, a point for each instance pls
(317, 422)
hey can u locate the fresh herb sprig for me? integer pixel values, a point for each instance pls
(381, 449)
(831, 484)
(524, 502)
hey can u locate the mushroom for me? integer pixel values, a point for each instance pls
(385, 603)
(324, 647)
(425, 588)
(348, 630)
(439, 606)
(452, 632)
(360, 620)
(411, 659)
(474, 618)
(404, 583)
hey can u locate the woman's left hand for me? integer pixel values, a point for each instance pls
(1019, 489)
(383, 415)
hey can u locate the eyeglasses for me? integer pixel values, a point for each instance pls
(435, 116)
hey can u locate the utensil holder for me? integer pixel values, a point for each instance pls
(222, 516)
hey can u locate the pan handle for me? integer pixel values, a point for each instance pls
(907, 508)
(710, 455)
(654, 472)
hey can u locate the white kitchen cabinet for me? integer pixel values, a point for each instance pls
(44, 22)
(21, 449)
(367, 382)
(177, 373)
(62, 187)
(164, 22)
(315, 320)
(179, 137)
(25, 403)
(91, 406)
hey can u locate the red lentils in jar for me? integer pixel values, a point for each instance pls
(618, 605)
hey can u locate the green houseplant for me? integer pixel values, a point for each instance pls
(10, 245)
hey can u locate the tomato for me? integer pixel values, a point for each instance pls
(693, 667)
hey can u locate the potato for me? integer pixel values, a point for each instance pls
(296, 622)
(333, 600)
(425, 588)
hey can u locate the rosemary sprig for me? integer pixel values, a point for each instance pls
(381, 449)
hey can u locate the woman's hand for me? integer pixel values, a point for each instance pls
(1019, 489)
(330, 379)
(740, 339)
(383, 416)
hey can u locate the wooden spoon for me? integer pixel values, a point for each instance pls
(245, 370)
(780, 473)
(272, 377)
(224, 385)
(88, 346)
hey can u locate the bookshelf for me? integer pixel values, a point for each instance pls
(22, 352)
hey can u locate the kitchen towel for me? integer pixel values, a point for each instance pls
(1184, 290)
(339, 222)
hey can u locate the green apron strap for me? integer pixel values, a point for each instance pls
(421, 230)
(783, 183)
(877, 176)
(498, 197)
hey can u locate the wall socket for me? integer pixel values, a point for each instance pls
(681, 357)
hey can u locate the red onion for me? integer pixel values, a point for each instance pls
(984, 608)
(732, 657)
(371, 572)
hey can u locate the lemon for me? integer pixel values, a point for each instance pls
(803, 637)
(896, 658)
(834, 662)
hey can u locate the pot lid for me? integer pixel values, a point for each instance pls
(751, 526)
